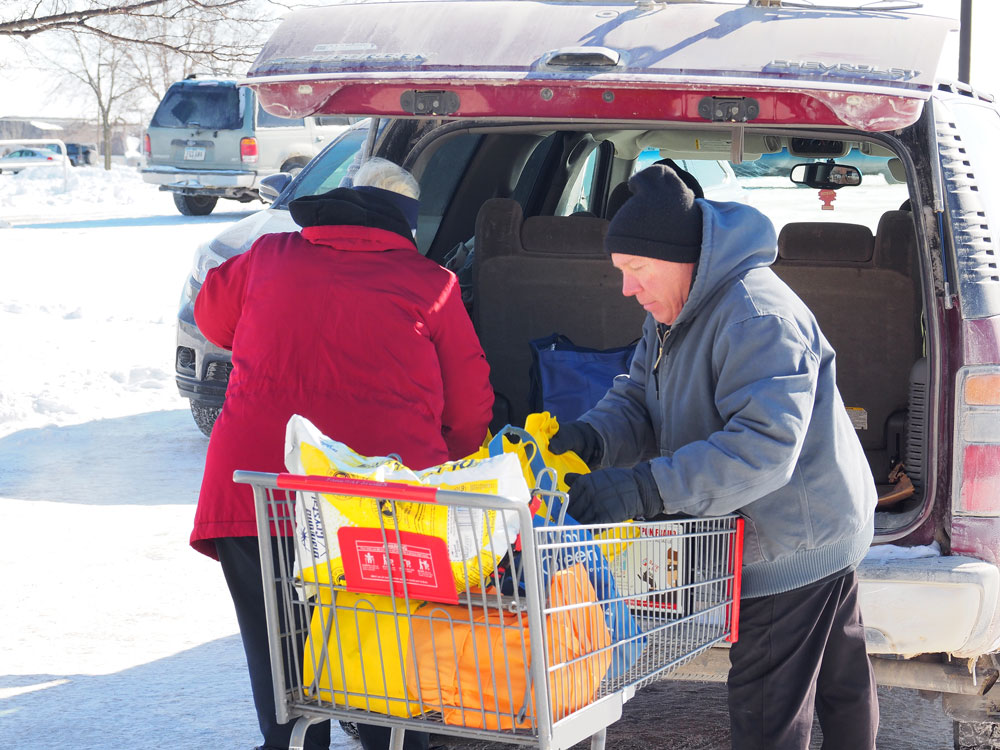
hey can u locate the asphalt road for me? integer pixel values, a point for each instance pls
(693, 716)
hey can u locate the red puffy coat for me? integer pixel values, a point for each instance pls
(352, 328)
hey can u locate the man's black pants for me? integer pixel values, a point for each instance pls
(240, 558)
(797, 651)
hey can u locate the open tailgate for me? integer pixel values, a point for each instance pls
(609, 61)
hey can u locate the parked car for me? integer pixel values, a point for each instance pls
(23, 158)
(902, 276)
(80, 154)
(210, 139)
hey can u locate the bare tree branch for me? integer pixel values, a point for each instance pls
(32, 24)
(98, 19)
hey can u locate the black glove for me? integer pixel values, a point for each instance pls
(612, 495)
(580, 438)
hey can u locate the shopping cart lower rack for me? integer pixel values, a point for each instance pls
(460, 613)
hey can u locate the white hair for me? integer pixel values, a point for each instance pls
(383, 174)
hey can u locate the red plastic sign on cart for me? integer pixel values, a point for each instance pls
(369, 556)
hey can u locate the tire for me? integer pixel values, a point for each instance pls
(971, 735)
(195, 205)
(294, 166)
(204, 417)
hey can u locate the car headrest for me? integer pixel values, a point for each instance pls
(827, 242)
(896, 242)
(619, 194)
(501, 229)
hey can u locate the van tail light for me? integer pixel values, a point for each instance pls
(976, 489)
(147, 147)
(248, 150)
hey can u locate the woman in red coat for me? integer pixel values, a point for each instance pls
(347, 324)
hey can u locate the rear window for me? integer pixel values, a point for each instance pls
(266, 120)
(214, 107)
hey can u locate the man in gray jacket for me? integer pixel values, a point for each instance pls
(731, 404)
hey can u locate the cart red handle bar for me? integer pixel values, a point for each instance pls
(358, 487)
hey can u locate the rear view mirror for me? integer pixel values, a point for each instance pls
(270, 187)
(825, 175)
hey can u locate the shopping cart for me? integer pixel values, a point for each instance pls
(382, 626)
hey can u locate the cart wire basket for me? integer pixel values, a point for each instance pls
(504, 623)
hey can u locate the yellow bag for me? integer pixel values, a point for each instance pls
(364, 668)
(476, 539)
(542, 426)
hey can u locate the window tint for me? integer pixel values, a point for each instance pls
(267, 120)
(328, 169)
(438, 183)
(211, 106)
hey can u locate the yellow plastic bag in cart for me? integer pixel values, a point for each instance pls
(541, 426)
(352, 655)
(473, 663)
(476, 538)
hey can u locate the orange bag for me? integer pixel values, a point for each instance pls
(459, 667)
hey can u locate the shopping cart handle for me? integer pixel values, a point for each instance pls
(358, 487)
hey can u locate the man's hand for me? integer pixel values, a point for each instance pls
(580, 438)
(612, 495)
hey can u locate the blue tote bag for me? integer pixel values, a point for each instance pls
(567, 380)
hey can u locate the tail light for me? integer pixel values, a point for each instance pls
(976, 489)
(147, 147)
(248, 150)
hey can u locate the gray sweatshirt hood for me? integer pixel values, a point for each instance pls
(735, 238)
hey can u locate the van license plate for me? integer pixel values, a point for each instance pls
(194, 154)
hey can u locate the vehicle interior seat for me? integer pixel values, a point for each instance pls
(616, 199)
(862, 290)
(537, 276)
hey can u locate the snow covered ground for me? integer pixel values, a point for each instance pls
(113, 632)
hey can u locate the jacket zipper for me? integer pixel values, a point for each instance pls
(662, 334)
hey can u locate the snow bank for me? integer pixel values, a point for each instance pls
(38, 192)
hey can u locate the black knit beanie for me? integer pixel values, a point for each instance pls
(661, 220)
(686, 177)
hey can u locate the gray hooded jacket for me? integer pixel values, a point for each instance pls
(742, 413)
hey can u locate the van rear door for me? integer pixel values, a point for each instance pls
(199, 124)
(607, 61)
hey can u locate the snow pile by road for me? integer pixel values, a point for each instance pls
(88, 295)
(38, 192)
